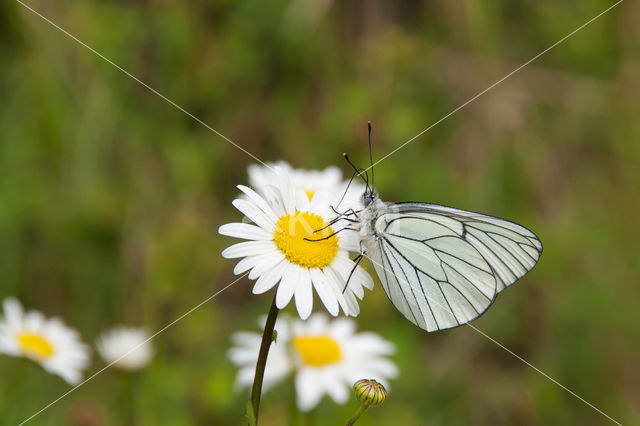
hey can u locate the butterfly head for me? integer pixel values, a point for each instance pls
(369, 197)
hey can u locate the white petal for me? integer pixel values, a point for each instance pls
(350, 303)
(356, 288)
(259, 201)
(308, 392)
(302, 200)
(316, 324)
(273, 195)
(257, 175)
(372, 344)
(288, 192)
(336, 389)
(290, 279)
(245, 264)
(343, 329)
(249, 248)
(254, 213)
(267, 280)
(320, 204)
(245, 231)
(334, 283)
(70, 375)
(266, 262)
(33, 320)
(324, 290)
(13, 312)
(303, 294)
(364, 277)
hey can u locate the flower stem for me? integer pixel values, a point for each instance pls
(267, 337)
(356, 416)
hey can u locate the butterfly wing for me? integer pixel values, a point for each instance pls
(443, 267)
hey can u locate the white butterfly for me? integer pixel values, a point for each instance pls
(443, 267)
(440, 266)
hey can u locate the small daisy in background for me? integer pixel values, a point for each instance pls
(292, 245)
(127, 348)
(310, 181)
(325, 356)
(49, 342)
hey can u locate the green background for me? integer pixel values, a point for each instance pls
(110, 198)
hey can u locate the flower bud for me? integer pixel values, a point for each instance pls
(369, 392)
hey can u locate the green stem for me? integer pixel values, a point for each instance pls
(356, 416)
(267, 337)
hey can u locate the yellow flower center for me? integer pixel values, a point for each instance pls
(317, 351)
(32, 344)
(316, 251)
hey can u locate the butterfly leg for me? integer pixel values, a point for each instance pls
(358, 259)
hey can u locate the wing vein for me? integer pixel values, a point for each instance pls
(409, 284)
(401, 290)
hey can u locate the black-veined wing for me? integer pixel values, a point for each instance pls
(442, 267)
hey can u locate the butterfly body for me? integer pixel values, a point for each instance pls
(442, 267)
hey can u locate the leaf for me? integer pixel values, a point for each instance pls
(250, 414)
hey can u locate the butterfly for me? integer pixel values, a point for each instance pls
(441, 267)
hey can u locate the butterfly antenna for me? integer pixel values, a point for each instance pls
(358, 171)
(370, 155)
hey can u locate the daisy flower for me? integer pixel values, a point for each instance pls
(292, 245)
(127, 348)
(326, 357)
(310, 181)
(49, 342)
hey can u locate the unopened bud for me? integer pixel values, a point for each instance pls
(369, 392)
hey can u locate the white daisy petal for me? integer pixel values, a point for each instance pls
(289, 198)
(372, 342)
(324, 291)
(290, 278)
(319, 324)
(254, 213)
(245, 231)
(308, 393)
(342, 328)
(248, 248)
(321, 204)
(303, 294)
(259, 201)
(267, 280)
(337, 389)
(347, 301)
(245, 264)
(33, 320)
(364, 277)
(264, 263)
(275, 199)
(301, 200)
(12, 311)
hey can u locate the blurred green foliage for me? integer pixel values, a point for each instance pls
(110, 197)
